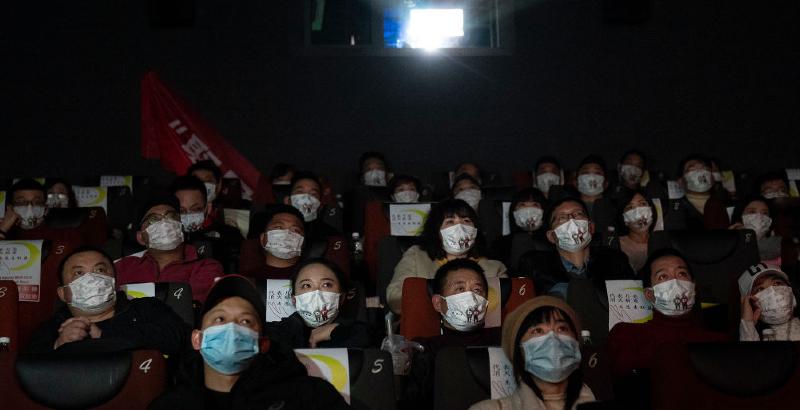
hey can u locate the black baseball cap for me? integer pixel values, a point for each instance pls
(234, 285)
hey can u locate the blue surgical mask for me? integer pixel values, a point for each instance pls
(551, 357)
(229, 348)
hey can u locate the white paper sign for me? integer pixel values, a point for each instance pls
(279, 299)
(659, 215)
(729, 181)
(139, 290)
(501, 374)
(793, 174)
(793, 191)
(674, 190)
(2, 204)
(332, 365)
(626, 302)
(237, 218)
(89, 196)
(493, 316)
(117, 180)
(730, 210)
(408, 219)
(21, 261)
(506, 221)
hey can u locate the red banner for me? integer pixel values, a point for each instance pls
(174, 133)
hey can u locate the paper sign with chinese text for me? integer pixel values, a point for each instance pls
(408, 219)
(626, 302)
(21, 261)
(279, 299)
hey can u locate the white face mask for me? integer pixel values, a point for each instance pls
(30, 216)
(458, 239)
(573, 235)
(375, 177)
(57, 200)
(529, 218)
(777, 304)
(699, 180)
(308, 205)
(631, 174)
(211, 191)
(164, 235)
(775, 194)
(757, 222)
(591, 184)
(465, 311)
(545, 180)
(638, 219)
(318, 307)
(92, 292)
(193, 221)
(470, 196)
(284, 244)
(674, 297)
(406, 196)
(279, 182)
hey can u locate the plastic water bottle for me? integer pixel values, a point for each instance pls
(358, 247)
(586, 338)
(5, 344)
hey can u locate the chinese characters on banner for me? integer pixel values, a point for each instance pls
(179, 137)
(21, 261)
(626, 302)
(408, 219)
(279, 299)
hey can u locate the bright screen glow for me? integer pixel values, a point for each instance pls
(434, 28)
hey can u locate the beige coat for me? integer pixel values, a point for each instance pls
(525, 399)
(416, 264)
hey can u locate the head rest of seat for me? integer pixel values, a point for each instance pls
(744, 369)
(708, 247)
(73, 381)
(60, 218)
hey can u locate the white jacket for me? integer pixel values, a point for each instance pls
(789, 331)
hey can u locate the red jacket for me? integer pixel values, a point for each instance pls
(198, 273)
(633, 346)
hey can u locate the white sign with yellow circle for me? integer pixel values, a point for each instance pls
(21, 261)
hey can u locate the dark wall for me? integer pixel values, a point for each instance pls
(715, 77)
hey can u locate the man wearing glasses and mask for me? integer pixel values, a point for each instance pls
(167, 258)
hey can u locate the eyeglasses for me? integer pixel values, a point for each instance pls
(561, 218)
(150, 219)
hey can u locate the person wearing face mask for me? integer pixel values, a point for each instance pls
(768, 301)
(459, 289)
(526, 219)
(232, 366)
(540, 340)
(373, 175)
(548, 173)
(774, 187)
(755, 213)
(467, 189)
(167, 258)
(592, 186)
(94, 310)
(670, 288)
(405, 189)
(635, 221)
(319, 292)
(211, 176)
(633, 176)
(450, 232)
(60, 193)
(282, 245)
(211, 238)
(306, 197)
(699, 209)
(570, 229)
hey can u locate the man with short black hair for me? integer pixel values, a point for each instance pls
(282, 244)
(94, 310)
(167, 258)
(699, 209)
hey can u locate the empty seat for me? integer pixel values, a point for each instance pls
(101, 381)
(419, 319)
(742, 375)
